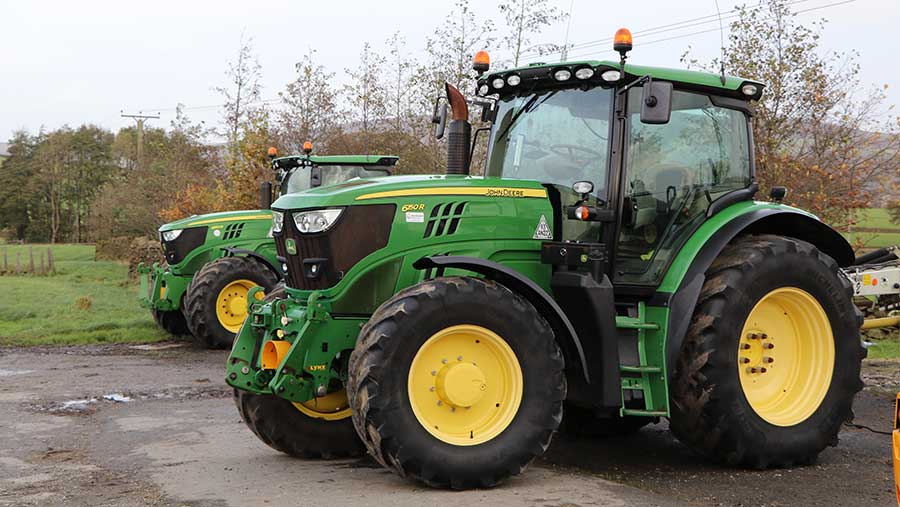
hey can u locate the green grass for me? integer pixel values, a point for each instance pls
(42, 310)
(885, 349)
(875, 218)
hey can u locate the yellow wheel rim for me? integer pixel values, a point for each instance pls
(331, 407)
(465, 385)
(231, 304)
(786, 356)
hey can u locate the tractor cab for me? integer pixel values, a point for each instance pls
(654, 176)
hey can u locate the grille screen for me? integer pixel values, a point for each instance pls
(361, 230)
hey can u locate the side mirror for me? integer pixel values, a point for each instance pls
(439, 118)
(265, 195)
(656, 103)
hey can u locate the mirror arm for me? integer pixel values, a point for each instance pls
(639, 81)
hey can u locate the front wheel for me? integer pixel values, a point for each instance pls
(318, 428)
(456, 382)
(172, 322)
(216, 301)
(770, 365)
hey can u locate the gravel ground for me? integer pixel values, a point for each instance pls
(118, 425)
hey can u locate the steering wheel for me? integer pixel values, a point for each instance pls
(569, 151)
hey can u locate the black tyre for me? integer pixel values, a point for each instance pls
(456, 382)
(216, 304)
(172, 322)
(582, 422)
(770, 365)
(321, 428)
(284, 427)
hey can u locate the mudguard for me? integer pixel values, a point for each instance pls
(781, 221)
(516, 282)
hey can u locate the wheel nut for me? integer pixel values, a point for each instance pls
(769, 346)
(431, 388)
(745, 360)
(745, 346)
(439, 403)
(751, 370)
(459, 358)
(764, 336)
(763, 369)
(444, 361)
(753, 336)
(768, 360)
(434, 372)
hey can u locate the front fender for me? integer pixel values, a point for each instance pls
(532, 292)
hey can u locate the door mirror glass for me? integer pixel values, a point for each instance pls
(656, 103)
(439, 118)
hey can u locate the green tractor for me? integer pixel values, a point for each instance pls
(611, 268)
(214, 260)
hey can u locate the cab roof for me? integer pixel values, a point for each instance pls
(689, 79)
(325, 160)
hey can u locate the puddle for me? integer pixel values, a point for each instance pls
(77, 405)
(10, 373)
(163, 346)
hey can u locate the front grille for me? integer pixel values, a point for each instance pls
(361, 230)
(185, 243)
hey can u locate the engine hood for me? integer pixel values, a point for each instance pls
(392, 189)
(217, 219)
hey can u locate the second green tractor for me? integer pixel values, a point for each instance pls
(611, 268)
(213, 260)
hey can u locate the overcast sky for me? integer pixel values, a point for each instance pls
(73, 62)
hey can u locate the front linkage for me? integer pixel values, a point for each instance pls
(291, 349)
(160, 289)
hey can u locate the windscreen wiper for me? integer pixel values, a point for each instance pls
(525, 109)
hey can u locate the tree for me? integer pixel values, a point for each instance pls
(816, 130)
(16, 198)
(365, 94)
(525, 19)
(309, 106)
(91, 166)
(242, 92)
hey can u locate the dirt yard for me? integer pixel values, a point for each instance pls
(155, 425)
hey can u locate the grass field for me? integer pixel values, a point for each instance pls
(85, 302)
(875, 218)
(885, 349)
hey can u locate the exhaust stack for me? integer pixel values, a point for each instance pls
(459, 132)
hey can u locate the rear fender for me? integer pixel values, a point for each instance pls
(782, 221)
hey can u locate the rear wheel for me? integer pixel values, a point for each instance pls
(771, 362)
(172, 322)
(318, 428)
(456, 382)
(216, 301)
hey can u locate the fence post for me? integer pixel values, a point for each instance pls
(5, 261)
(31, 259)
(42, 264)
(18, 263)
(50, 267)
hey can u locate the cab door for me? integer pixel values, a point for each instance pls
(672, 173)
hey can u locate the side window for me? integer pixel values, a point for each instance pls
(672, 173)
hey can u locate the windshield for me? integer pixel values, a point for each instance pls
(300, 178)
(554, 136)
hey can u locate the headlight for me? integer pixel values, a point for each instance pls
(309, 222)
(277, 221)
(171, 235)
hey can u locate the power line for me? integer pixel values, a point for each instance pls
(140, 119)
(669, 27)
(681, 36)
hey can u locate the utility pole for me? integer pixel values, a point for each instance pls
(140, 118)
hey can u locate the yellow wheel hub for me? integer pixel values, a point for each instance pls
(331, 407)
(465, 385)
(786, 356)
(231, 304)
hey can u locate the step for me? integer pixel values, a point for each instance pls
(639, 369)
(651, 413)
